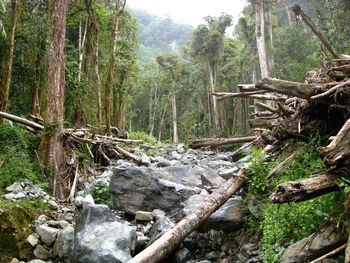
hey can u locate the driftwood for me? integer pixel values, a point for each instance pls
(308, 188)
(21, 120)
(163, 246)
(224, 95)
(338, 151)
(220, 141)
(335, 251)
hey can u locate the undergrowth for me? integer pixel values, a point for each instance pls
(17, 156)
(284, 224)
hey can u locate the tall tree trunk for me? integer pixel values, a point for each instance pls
(212, 77)
(98, 81)
(161, 124)
(173, 104)
(153, 115)
(52, 152)
(110, 74)
(288, 13)
(35, 94)
(260, 38)
(271, 57)
(10, 58)
(81, 47)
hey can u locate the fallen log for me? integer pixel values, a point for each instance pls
(136, 159)
(258, 123)
(21, 120)
(290, 88)
(308, 188)
(267, 107)
(219, 141)
(338, 151)
(247, 87)
(163, 246)
(224, 95)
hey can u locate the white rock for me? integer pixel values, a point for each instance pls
(79, 201)
(19, 195)
(9, 196)
(15, 187)
(87, 201)
(47, 234)
(53, 204)
(32, 240)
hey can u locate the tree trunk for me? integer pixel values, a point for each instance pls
(271, 57)
(153, 115)
(10, 58)
(81, 43)
(173, 104)
(163, 246)
(260, 38)
(220, 141)
(98, 81)
(288, 13)
(35, 94)
(111, 66)
(308, 188)
(161, 124)
(212, 78)
(51, 148)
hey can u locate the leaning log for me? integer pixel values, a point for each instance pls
(163, 246)
(219, 141)
(338, 151)
(21, 120)
(308, 188)
(299, 13)
(135, 158)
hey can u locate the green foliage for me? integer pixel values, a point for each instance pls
(100, 193)
(17, 157)
(145, 137)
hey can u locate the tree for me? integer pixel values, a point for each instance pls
(207, 44)
(51, 148)
(171, 63)
(6, 91)
(119, 9)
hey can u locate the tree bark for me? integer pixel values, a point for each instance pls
(220, 141)
(10, 58)
(162, 247)
(81, 43)
(173, 104)
(308, 188)
(51, 148)
(21, 120)
(35, 94)
(212, 78)
(260, 38)
(299, 13)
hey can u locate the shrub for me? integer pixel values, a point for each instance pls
(100, 193)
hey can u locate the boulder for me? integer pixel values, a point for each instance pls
(144, 216)
(42, 253)
(15, 188)
(87, 201)
(228, 217)
(134, 189)
(100, 238)
(64, 245)
(325, 240)
(159, 228)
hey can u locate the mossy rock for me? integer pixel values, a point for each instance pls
(15, 228)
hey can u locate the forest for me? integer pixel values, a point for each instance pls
(85, 84)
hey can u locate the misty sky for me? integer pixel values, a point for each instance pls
(189, 11)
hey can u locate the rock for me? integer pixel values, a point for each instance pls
(245, 150)
(146, 160)
(14, 260)
(41, 252)
(88, 200)
(19, 195)
(135, 189)
(144, 216)
(244, 162)
(9, 196)
(256, 208)
(228, 173)
(63, 223)
(174, 155)
(53, 204)
(79, 201)
(142, 241)
(64, 245)
(181, 255)
(36, 261)
(325, 240)
(157, 213)
(228, 217)
(15, 188)
(32, 240)
(159, 228)
(161, 162)
(99, 238)
(47, 234)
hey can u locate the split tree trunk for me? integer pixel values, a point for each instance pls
(51, 148)
(163, 246)
(10, 58)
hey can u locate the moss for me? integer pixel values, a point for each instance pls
(15, 228)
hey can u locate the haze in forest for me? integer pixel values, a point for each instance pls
(189, 12)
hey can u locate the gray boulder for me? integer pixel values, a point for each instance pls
(134, 189)
(327, 239)
(159, 228)
(228, 217)
(64, 245)
(100, 238)
(47, 234)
